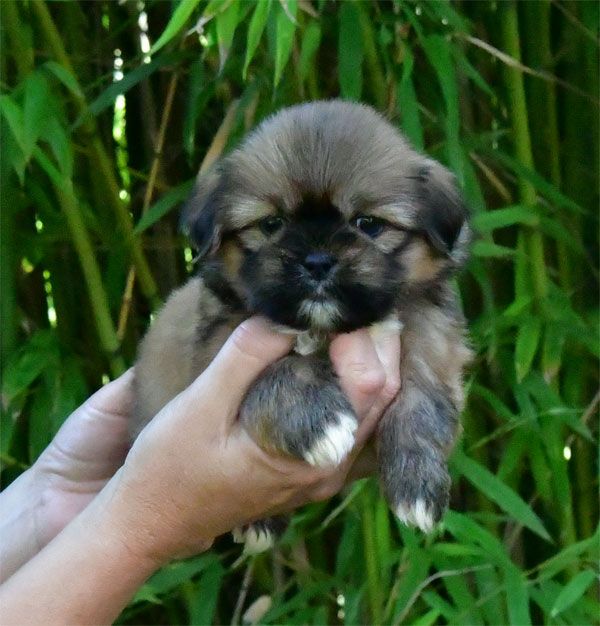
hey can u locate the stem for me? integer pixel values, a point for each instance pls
(99, 158)
(21, 50)
(513, 79)
(93, 279)
(367, 513)
(545, 119)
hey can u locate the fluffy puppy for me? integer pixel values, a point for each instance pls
(326, 220)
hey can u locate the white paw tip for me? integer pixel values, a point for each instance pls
(416, 514)
(255, 541)
(333, 447)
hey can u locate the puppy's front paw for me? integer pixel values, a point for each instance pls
(419, 488)
(299, 409)
(261, 535)
(333, 446)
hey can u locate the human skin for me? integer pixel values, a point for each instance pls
(192, 475)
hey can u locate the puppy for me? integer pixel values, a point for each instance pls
(325, 220)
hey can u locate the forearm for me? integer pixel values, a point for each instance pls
(86, 575)
(17, 524)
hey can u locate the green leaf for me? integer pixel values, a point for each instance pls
(204, 602)
(492, 487)
(255, 31)
(487, 249)
(284, 37)
(311, 40)
(518, 306)
(180, 16)
(171, 576)
(572, 591)
(468, 531)
(427, 619)
(59, 141)
(226, 23)
(407, 102)
(517, 596)
(35, 110)
(57, 177)
(164, 205)
(528, 339)
(13, 114)
(65, 77)
(546, 188)
(350, 52)
(28, 363)
(108, 96)
(438, 52)
(488, 221)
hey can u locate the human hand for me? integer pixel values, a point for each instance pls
(194, 473)
(85, 453)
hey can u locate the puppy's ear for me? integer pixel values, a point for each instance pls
(200, 214)
(443, 213)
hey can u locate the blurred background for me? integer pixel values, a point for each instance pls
(107, 111)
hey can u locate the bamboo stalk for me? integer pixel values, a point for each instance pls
(21, 51)
(513, 79)
(93, 280)
(374, 590)
(99, 158)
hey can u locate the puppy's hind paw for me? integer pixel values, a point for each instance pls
(417, 514)
(256, 539)
(334, 445)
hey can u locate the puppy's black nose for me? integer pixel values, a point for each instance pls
(319, 264)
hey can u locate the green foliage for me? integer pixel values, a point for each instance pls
(93, 169)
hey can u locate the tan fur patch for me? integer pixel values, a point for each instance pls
(421, 265)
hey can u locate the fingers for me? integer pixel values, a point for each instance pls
(252, 346)
(115, 398)
(361, 373)
(94, 440)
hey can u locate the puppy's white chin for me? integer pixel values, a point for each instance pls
(321, 314)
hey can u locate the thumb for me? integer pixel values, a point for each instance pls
(251, 347)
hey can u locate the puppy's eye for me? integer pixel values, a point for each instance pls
(270, 225)
(371, 226)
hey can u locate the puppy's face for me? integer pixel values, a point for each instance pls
(325, 218)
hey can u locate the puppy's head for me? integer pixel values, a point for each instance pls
(324, 216)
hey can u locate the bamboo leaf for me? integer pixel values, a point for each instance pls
(487, 249)
(438, 52)
(350, 52)
(284, 36)
(108, 96)
(488, 221)
(28, 363)
(572, 591)
(310, 44)
(517, 596)
(255, 31)
(13, 114)
(179, 18)
(226, 23)
(35, 107)
(164, 205)
(59, 141)
(408, 104)
(204, 602)
(528, 338)
(65, 77)
(499, 493)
